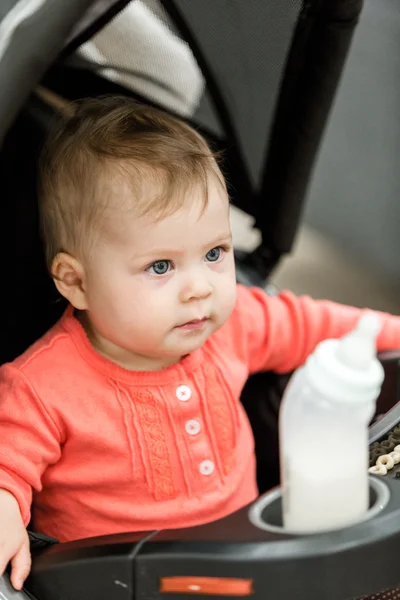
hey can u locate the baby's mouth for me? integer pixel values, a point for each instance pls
(194, 324)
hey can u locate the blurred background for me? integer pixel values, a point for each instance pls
(348, 246)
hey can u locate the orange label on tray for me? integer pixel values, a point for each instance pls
(215, 586)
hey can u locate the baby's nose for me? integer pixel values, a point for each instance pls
(197, 289)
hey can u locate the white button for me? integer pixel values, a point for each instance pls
(192, 427)
(207, 467)
(183, 393)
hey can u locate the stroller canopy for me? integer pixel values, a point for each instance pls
(270, 71)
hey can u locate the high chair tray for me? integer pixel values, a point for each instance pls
(233, 557)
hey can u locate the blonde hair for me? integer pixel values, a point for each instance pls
(107, 137)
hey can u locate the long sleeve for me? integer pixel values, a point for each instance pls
(29, 439)
(282, 331)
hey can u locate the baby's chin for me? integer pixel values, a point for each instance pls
(190, 346)
(192, 340)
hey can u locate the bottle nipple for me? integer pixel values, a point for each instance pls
(358, 348)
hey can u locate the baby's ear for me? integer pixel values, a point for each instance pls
(69, 277)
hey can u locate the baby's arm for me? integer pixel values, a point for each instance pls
(30, 441)
(283, 330)
(14, 541)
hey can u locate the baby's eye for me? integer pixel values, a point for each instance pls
(161, 267)
(214, 254)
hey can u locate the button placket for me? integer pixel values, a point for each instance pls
(198, 445)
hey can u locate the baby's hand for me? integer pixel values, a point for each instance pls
(14, 541)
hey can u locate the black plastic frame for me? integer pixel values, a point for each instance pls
(313, 71)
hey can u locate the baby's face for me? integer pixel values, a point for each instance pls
(159, 289)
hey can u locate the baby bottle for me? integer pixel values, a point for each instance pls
(323, 430)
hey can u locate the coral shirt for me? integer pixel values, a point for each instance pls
(106, 450)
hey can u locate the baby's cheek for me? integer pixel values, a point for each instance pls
(227, 302)
(228, 287)
(142, 311)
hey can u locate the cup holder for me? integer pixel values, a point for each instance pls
(266, 512)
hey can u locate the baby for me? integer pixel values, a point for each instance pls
(126, 415)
